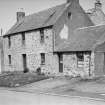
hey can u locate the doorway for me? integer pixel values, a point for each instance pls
(99, 63)
(60, 63)
(24, 61)
(104, 65)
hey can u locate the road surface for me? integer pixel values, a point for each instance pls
(8, 97)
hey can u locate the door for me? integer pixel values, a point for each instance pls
(61, 63)
(99, 63)
(24, 61)
(104, 64)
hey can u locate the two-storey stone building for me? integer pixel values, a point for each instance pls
(61, 39)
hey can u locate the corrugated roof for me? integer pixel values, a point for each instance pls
(84, 39)
(42, 19)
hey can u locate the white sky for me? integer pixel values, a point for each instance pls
(8, 8)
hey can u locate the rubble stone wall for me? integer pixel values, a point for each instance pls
(32, 49)
(72, 67)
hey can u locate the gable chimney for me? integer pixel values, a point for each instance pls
(98, 4)
(20, 14)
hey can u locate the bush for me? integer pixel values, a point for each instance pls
(38, 70)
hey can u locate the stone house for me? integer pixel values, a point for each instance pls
(62, 39)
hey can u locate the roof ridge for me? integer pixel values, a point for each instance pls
(45, 10)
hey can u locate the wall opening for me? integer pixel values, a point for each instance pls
(80, 59)
(9, 58)
(42, 58)
(60, 63)
(41, 35)
(23, 38)
(69, 15)
(24, 61)
(9, 41)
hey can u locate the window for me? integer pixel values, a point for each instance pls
(42, 58)
(80, 59)
(9, 58)
(69, 15)
(23, 38)
(42, 35)
(9, 41)
(60, 62)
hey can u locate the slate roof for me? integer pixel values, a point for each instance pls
(84, 39)
(38, 20)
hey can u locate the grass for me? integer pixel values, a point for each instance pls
(15, 79)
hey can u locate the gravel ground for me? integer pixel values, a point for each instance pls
(94, 88)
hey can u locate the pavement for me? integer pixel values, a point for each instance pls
(8, 97)
(43, 86)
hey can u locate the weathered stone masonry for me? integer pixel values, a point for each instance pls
(32, 49)
(64, 38)
(72, 67)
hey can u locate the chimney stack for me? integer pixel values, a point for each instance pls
(98, 4)
(20, 14)
(68, 1)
